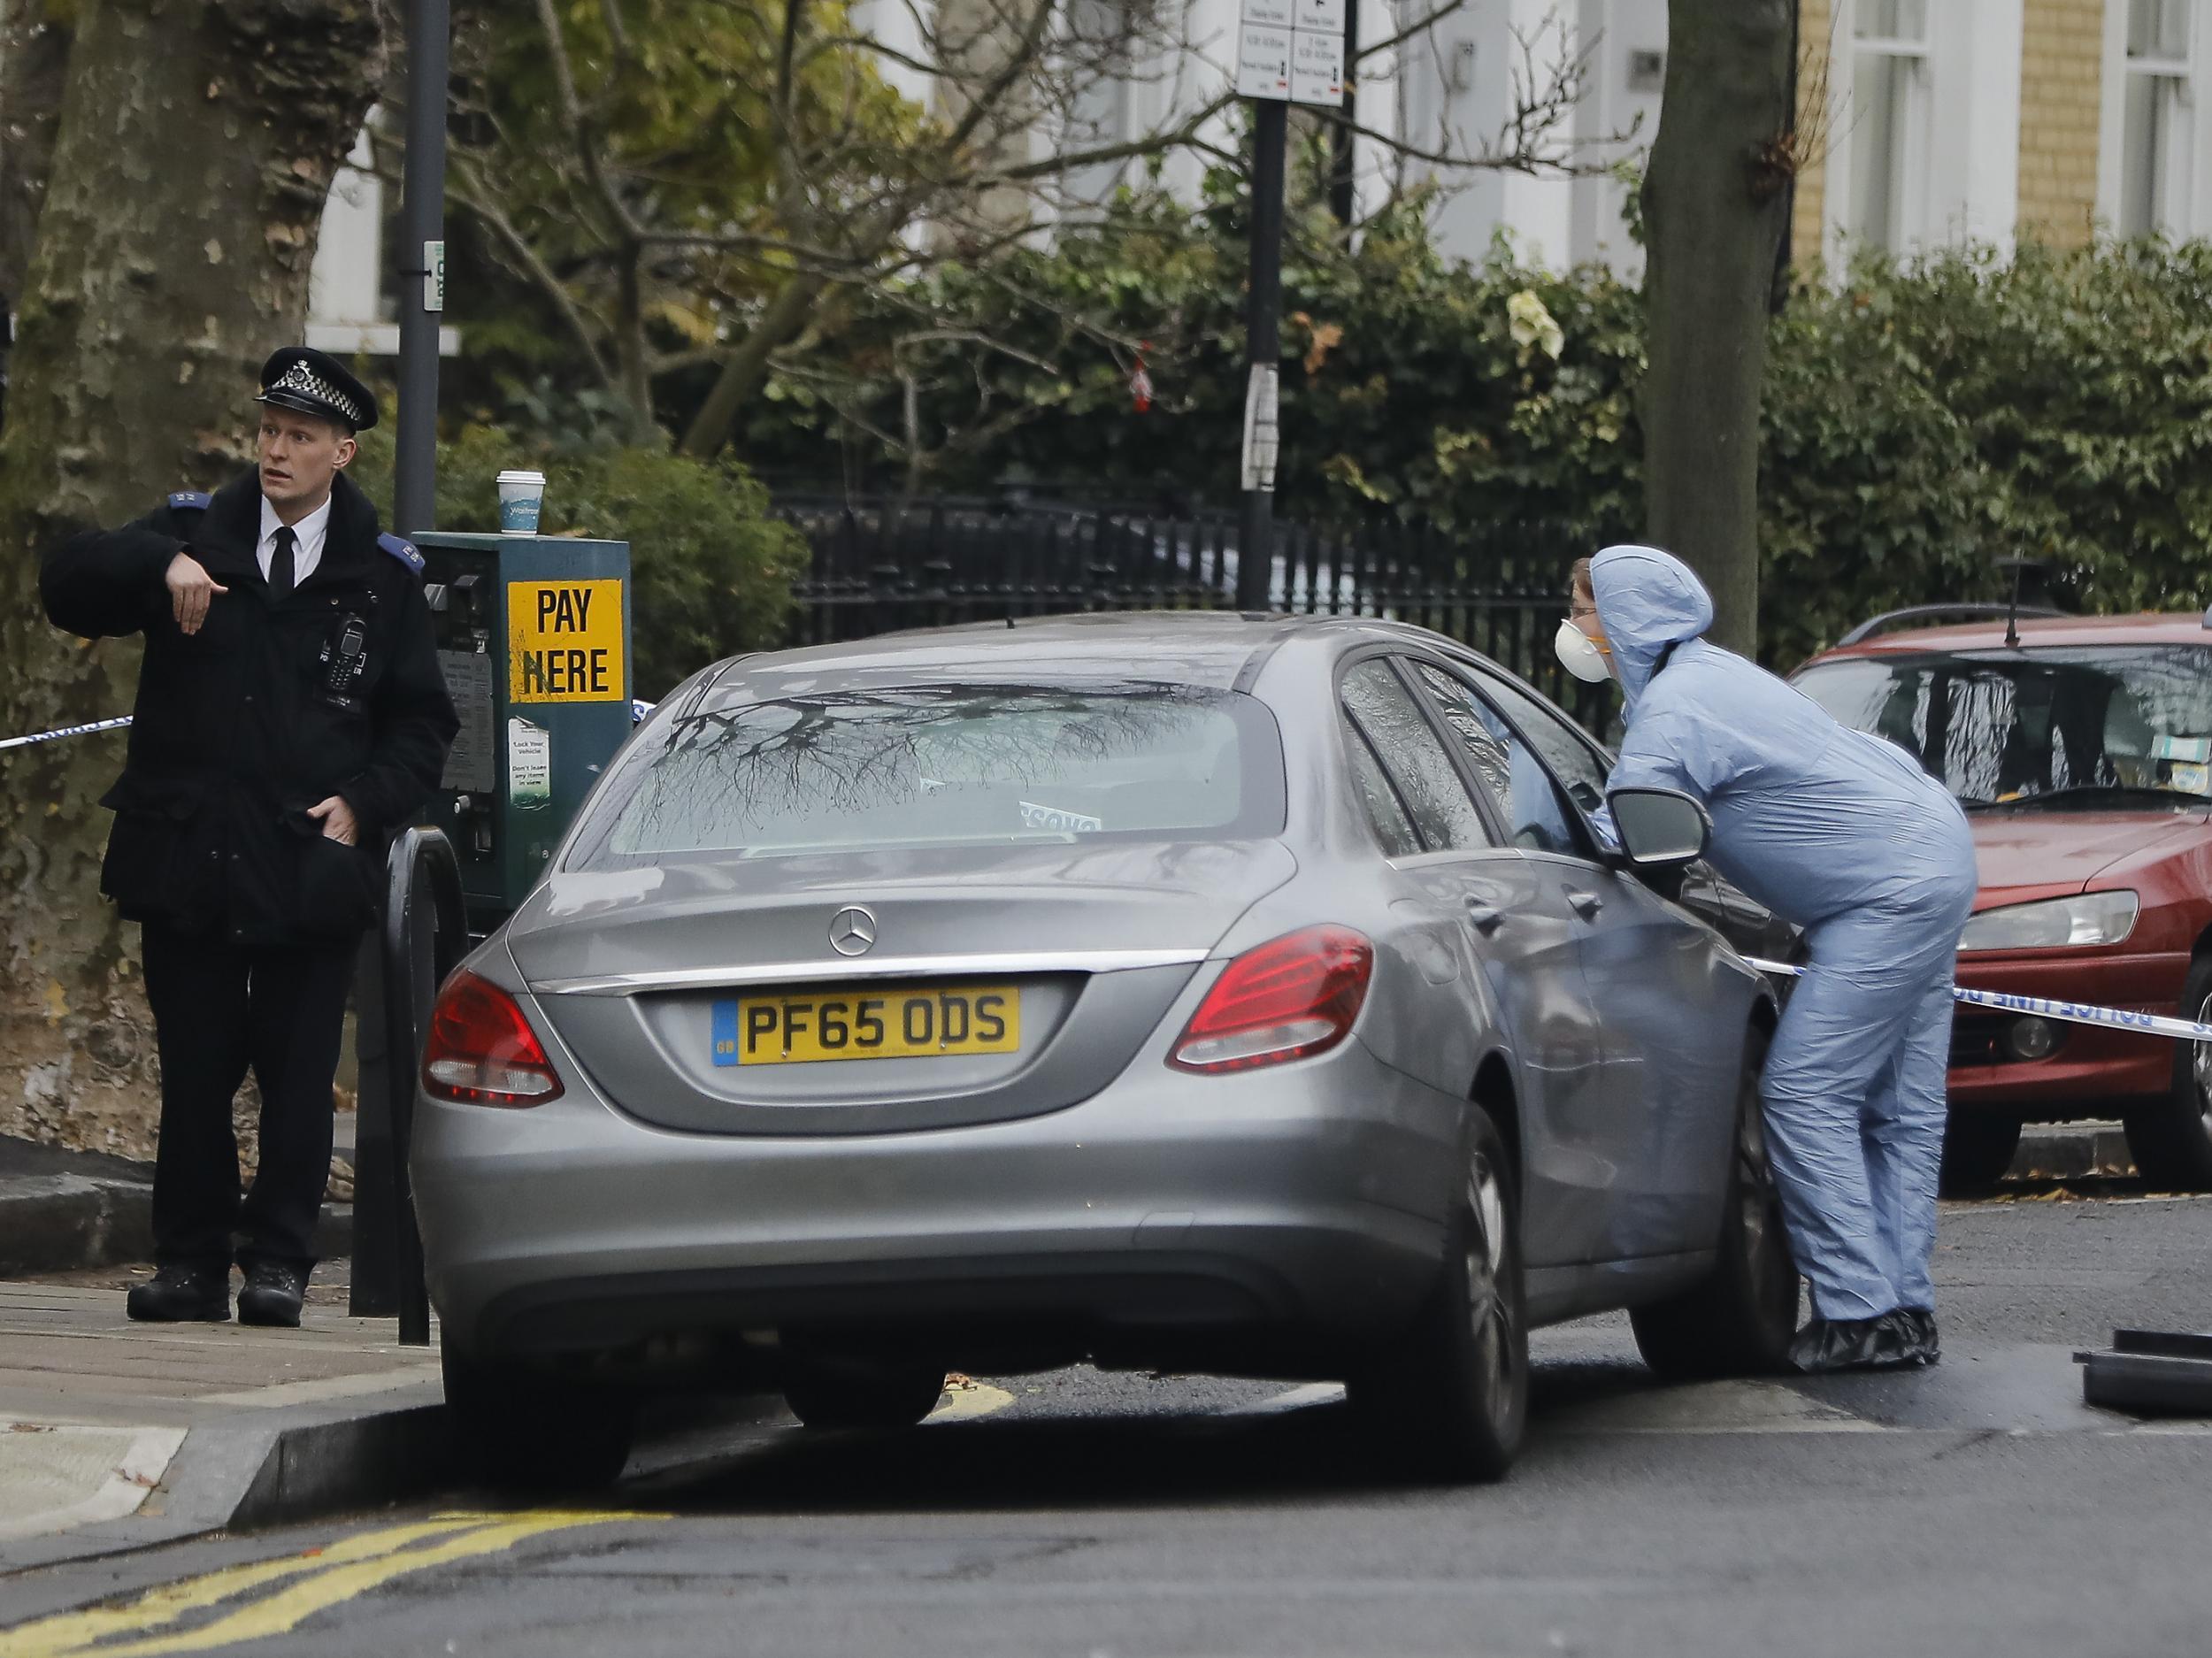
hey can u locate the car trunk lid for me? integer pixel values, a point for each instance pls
(702, 994)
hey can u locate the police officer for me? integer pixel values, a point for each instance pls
(290, 716)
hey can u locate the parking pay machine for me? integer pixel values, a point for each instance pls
(534, 635)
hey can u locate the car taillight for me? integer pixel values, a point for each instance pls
(482, 1051)
(1287, 999)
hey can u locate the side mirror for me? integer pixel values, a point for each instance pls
(1659, 828)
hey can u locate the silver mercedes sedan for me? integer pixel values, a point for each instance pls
(1197, 990)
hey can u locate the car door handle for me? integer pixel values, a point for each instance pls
(1487, 919)
(1585, 904)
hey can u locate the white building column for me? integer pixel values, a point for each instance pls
(1457, 90)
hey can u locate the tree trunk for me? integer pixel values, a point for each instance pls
(34, 60)
(195, 146)
(1714, 214)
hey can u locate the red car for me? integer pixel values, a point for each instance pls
(2081, 747)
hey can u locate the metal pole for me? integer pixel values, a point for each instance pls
(1344, 148)
(422, 248)
(379, 1257)
(1264, 354)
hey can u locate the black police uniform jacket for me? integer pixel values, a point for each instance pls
(240, 727)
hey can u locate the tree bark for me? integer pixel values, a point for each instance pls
(34, 60)
(1714, 214)
(195, 146)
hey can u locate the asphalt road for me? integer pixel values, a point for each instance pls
(1979, 1508)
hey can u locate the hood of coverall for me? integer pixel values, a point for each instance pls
(1647, 601)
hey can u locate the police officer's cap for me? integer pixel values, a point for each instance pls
(314, 382)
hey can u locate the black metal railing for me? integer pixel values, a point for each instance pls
(882, 567)
(422, 937)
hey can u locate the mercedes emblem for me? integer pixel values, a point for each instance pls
(852, 931)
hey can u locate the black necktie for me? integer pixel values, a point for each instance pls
(281, 563)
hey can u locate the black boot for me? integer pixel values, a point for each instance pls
(273, 1293)
(180, 1294)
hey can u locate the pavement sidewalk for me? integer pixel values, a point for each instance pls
(116, 1436)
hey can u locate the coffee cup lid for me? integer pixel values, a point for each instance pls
(516, 476)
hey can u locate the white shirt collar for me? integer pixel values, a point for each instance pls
(307, 547)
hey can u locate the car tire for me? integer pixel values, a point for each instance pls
(1978, 1150)
(1450, 1399)
(2172, 1139)
(830, 1394)
(524, 1430)
(1739, 1320)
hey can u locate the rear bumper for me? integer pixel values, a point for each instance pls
(1284, 1209)
(2092, 1068)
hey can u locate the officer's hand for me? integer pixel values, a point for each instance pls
(337, 820)
(191, 590)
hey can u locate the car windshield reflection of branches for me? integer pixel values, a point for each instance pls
(860, 769)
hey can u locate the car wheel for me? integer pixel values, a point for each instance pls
(827, 1393)
(1739, 1322)
(2172, 1140)
(1978, 1150)
(526, 1431)
(1452, 1397)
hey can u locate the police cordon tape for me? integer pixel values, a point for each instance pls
(2043, 1008)
(2040, 1007)
(639, 710)
(65, 731)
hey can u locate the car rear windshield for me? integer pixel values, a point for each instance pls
(2056, 723)
(940, 764)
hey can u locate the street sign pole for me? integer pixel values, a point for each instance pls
(376, 1291)
(1288, 51)
(1264, 352)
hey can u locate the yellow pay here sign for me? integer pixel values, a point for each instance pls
(564, 642)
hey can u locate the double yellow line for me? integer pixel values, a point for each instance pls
(313, 1582)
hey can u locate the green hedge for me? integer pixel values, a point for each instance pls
(711, 571)
(1920, 422)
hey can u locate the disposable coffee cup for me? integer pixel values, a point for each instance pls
(521, 498)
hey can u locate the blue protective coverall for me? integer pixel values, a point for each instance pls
(1844, 835)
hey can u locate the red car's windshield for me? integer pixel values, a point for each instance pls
(2130, 724)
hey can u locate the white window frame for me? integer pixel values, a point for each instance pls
(1909, 211)
(2185, 205)
(1964, 183)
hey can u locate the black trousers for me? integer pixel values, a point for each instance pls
(219, 1008)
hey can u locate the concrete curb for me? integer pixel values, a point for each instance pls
(72, 1223)
(257, 1468)
(61, 1223)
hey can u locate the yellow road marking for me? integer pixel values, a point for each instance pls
(965, 1401)
(337, 1573)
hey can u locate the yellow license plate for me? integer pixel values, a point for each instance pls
(921, 1023)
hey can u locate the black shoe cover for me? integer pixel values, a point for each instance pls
(1918, 1326)
(1828, 1345)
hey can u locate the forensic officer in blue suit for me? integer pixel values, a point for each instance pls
(290, 715)
(1844, 835)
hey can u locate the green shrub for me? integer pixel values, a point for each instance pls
(710, 569)
(1920, 423)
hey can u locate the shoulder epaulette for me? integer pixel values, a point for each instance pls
(189, 501)
(402, 551)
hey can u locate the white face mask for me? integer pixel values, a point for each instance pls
(1580, 656)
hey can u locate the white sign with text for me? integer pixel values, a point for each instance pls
(1292, 50)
